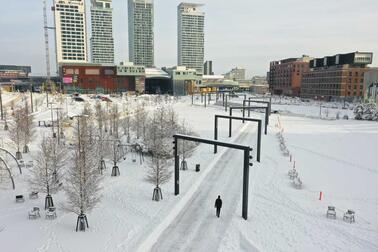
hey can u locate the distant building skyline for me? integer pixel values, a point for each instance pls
(236, 74)
(190, 36)
(102, 41)
(229, 41)
(141, 32)
(70, 31)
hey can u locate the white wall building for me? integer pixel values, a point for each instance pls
(191, 37)
(102, 41)
(70, 31)
(371, 85)
(141, 32)
(236, 74)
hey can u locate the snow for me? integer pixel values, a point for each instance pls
(337, 157)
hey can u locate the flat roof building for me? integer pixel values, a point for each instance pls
(70, 31)
(285, 76)
(14, 72)
(341, 75)
(236, 74)
(141, 32)
(371, 85)
(208, 68)
(184, 80)
(191, 36)
(102, 42)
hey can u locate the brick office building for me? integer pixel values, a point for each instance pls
(285, 76)
(91, 78)
(341, 75)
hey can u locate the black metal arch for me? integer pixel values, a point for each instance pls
(9, 171)
(252, 108)
(246, 149)
(15, 159)
(258, 100)
(230, 131)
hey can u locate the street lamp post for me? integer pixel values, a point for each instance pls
(1, 104)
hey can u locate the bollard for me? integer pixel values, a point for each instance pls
(197, 167)
(320, 195)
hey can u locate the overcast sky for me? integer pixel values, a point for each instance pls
(245, 33)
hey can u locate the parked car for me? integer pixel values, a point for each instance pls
(104, 98)
(78, 99)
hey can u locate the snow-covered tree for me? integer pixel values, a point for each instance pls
(100, 117)
(139, 120)
(126, 122)
(82, 184)
(6, 127)
(114, 120)
(102, 139)
(159, 145)
(47, 171)
(28, 127)
(16, 130)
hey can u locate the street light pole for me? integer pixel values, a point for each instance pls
(1, 104)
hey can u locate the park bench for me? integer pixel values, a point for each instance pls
(34, 213)
(349, 216)
(331, 212)
(51, 213)
(20, 198)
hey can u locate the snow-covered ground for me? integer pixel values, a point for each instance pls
(336, 157)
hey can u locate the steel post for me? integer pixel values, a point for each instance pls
(245, 184)
(177, 171)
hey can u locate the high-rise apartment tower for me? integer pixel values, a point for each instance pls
(208, 68)
(70, 31)
(141, 32)
(191, 36)
(102, 42)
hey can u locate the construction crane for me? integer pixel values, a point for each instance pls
(47, 48)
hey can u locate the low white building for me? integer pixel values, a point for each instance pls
(371, 85)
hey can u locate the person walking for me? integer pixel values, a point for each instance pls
(218, 205)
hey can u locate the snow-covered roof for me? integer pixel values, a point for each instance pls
(156, 73)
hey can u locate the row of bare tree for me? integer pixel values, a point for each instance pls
(22, 129)
(76, 170)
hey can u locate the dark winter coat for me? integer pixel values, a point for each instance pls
(218, 203)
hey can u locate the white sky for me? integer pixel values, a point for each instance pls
(245, 33)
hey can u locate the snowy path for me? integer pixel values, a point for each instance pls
(197, 228)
